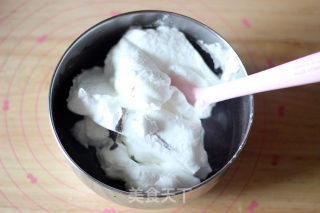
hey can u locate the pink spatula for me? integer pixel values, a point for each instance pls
(305, 70)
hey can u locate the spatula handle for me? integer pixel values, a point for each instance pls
(305, 70)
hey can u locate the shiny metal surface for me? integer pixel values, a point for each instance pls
(225, 131)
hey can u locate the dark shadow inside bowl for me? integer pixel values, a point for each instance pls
(225, 130)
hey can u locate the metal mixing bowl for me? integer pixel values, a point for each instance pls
(225, 131)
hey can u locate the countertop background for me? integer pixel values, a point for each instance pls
(279, 169)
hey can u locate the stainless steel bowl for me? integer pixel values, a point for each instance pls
(225, 131)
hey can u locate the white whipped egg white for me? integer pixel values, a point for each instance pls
(160, 137)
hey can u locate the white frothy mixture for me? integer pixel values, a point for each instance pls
(160, 137)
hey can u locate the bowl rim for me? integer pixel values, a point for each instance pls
(220, 171)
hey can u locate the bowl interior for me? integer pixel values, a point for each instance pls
(225, 130)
